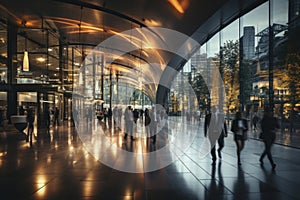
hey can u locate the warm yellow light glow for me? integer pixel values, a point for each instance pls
(41, 59)
(26, 62)
(179, 6)
(3, 153)
(151, 22)
(41, 182)
(80, 78)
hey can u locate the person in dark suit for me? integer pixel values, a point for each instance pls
(56, 117)
(128, 116)
(147, 122)
(30, 122)
(268, 126)
(216, 129)
(239, 127)
(154, 123)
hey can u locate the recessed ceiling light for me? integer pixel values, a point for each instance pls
(41, 59)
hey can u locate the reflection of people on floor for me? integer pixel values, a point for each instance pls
(216, 186)
(241, 186)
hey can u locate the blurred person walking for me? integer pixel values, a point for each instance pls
(30, 122)
(268, 127)
(128, 116)
(239, 127)
(215, 127)
(147, 122)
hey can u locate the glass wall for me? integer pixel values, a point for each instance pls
(3, 54)
(229, 66)
(258, 56)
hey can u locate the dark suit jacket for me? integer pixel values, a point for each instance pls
(268, 126)
(207, 123)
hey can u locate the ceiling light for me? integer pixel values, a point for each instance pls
(41, 59)
(26, 61)
(180, 6)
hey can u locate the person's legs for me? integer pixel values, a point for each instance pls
(242, 145)
(126, 129)
(264, 153)
(221, 145)
(131, 130)
(238, 150)
(154, 133)
(268, 152)
(30, 133)
(213, 154)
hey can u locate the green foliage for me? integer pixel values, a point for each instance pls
(229, 69)
(292, 79)
(200, 88)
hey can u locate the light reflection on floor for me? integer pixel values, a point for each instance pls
(60, 167)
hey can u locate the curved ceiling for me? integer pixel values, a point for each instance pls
(86, 23)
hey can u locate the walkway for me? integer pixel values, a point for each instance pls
(60, 168)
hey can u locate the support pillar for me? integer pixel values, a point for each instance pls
(12, 30)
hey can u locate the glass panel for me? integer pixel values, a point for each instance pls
(3, 54)
(229, 66)
(199, 72)
(254, 70)
(213, 79)
(280, 35)
(3, 107)
(28, 100)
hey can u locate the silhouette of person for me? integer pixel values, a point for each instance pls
(56, 116)
(154, 123)
(239, 127)
(30, 121)
(21, 110)
(128, 115)
(47, 119)
(268, 126)
(215, 127)
(254, 121)
(147, 122)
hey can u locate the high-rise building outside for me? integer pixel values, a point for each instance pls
(248, 42)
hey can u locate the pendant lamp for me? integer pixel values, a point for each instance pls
(26, 61)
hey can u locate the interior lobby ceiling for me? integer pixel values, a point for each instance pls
(86, 23)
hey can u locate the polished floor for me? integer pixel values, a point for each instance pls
(59, 167)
